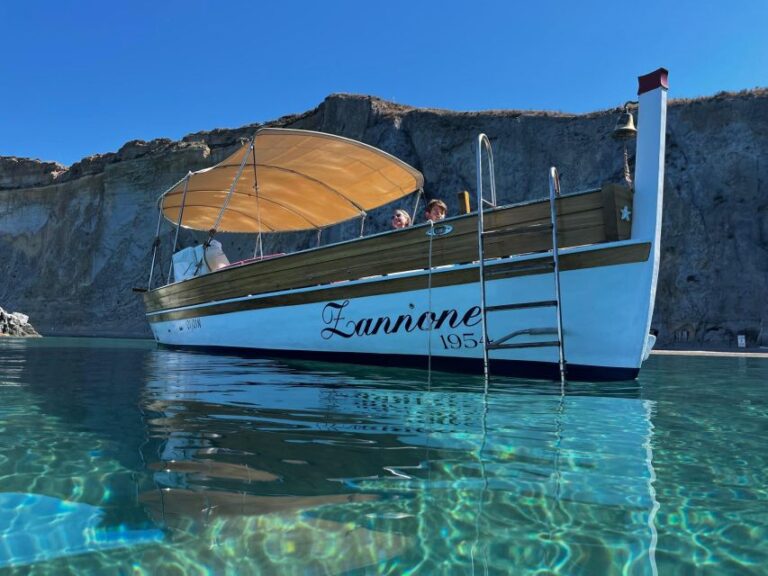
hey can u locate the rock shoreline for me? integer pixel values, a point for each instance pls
(16, 325)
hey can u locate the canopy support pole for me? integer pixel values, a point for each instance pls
(416, 205)
(224, 206)
(259, 243)
(362, 223)
(178, 224)
(155, 244)
(258, 250)
(319, 234)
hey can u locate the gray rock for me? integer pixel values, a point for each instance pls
(28, 173)
(76, 240)
(16, 325)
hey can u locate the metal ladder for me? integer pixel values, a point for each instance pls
(552, 264)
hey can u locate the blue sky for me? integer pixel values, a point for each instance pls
(81, 78)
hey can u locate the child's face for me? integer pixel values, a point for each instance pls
(436, 213)
(399, 220)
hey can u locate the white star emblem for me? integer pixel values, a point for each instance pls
(626, 213)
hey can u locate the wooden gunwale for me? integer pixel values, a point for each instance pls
(580, 221)
(608, 256)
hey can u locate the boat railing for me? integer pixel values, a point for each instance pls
(483, 142)
(554, 193)
(583, 219)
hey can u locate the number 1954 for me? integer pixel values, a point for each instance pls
(457, 341)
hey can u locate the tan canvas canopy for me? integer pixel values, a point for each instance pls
(290, 180)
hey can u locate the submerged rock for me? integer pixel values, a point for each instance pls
(16, 324)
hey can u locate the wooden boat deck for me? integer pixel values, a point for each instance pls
(584, 218)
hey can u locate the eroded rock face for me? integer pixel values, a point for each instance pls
(76, 241)
(24, 173)
(16, 324)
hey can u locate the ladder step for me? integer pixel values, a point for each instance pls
(525, 332)
(545, 261)
(521, 305)
(524, 345)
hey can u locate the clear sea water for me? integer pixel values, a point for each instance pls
(117, 457)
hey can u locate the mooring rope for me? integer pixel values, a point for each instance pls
(428, 414)
(430, 317)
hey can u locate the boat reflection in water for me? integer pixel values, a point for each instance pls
(321, 468)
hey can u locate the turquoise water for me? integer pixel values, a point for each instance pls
(120, 458)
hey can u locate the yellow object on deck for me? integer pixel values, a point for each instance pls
(290, 180)
(464, 202)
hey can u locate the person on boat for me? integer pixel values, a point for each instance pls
(436, 210)
(213, 253)
(400, 219)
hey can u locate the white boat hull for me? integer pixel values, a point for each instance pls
(605, 312)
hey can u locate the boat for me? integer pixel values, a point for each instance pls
(559, 288)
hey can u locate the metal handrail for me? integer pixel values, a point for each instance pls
(482, 140)
(554, 191)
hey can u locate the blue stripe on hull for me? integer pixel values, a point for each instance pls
(515, 368)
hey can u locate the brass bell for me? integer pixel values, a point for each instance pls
(625, 126)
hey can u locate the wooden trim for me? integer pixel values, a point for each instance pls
(615, 198)
(581, 260)
(609, 213)
(520, 229)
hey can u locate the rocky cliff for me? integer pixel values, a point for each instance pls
(76, 240)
